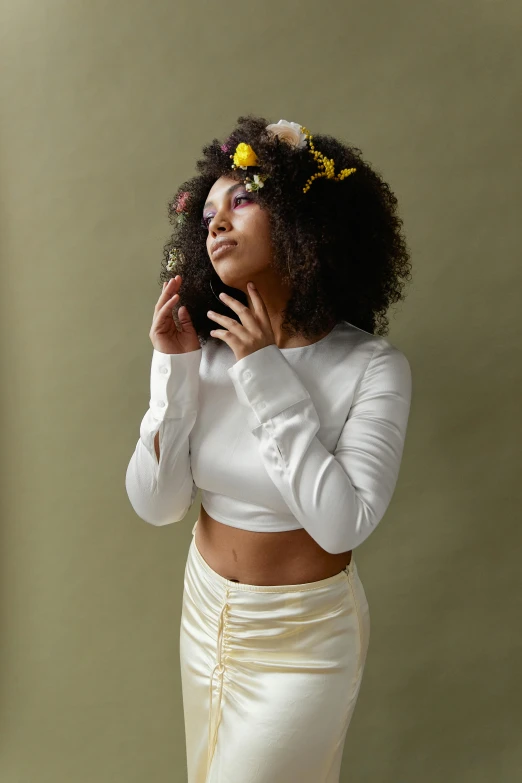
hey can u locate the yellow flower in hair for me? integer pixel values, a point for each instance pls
(244, 156)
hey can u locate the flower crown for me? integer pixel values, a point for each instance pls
(296, 136)
(244, 156)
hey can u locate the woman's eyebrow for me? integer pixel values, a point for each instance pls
(230, 189)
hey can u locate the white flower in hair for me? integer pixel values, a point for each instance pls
(288, 131)
(258, 183)
(172, 260)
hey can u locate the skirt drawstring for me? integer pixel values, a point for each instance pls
(212, 735)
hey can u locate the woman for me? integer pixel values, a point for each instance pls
(288, 408)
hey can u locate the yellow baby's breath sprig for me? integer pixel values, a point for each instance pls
(327, 164)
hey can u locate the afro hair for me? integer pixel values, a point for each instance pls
(339, 246)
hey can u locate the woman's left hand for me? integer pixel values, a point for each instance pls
(254, 331)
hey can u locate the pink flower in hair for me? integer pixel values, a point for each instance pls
(182, 201)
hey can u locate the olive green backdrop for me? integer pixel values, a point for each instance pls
(105, 107)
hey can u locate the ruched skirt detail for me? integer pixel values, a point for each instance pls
(270, 675)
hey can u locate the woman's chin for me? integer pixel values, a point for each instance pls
(233, 280)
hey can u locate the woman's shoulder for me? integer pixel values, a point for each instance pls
(374, 341)
(371, 352)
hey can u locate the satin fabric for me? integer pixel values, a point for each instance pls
(270, 675)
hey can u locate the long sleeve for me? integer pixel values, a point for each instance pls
(162, 492)
(338, 498)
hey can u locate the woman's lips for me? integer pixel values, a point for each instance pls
(222, 249)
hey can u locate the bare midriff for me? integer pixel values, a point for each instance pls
(287, 558)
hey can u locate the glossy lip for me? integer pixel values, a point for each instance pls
(222, 247)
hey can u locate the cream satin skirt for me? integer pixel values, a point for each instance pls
(270, 675)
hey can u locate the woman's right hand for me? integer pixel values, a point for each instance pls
(163, 333)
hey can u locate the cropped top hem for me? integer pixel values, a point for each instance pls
(266, 525)
(309, 437)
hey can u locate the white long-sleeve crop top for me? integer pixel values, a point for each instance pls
(284, 438)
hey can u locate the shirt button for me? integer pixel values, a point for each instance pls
(248, 374)
(164, 369)
(161, 404)
(262, 405)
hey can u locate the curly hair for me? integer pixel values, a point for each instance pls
(339, 246)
